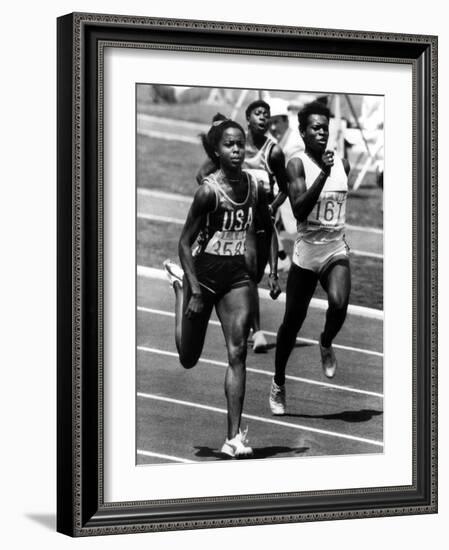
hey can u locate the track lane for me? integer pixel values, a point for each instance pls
(354, 371)
(173, 209)
(357, 331)
(204, 385)
(163, 375)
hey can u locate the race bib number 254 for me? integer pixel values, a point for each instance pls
(227, 243)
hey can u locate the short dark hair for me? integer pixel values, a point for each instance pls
(254, 105)
(313, 108)
(210, 140)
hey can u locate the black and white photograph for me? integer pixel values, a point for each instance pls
(259, 276)
(245, 275)
(107, 436)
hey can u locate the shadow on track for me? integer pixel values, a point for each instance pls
(259, 452)
(272, 345)
(347, 416)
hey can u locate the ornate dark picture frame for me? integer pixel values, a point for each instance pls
(81, 510)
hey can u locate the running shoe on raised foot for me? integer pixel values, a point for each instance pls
(277, 399)
(238, 447)
(328, 360)
(173, 271)
(259, 342)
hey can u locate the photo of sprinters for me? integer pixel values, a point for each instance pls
(259, 274)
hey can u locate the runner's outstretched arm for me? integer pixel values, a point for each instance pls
(266, 224)
(277, 165)
(203, 202)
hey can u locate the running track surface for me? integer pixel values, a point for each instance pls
(181, 414)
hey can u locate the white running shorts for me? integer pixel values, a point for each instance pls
(317, 257)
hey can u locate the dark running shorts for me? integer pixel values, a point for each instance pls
(218, 275)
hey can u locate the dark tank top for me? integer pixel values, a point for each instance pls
(226, 227)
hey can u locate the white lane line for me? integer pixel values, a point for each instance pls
(366, 254)
(262, 419)
(151, 119)
(179, 221)
(362, 229)
(165, 457)
(168, 136)
(154, 273)
(163, 195)
(270, 333)
(185, 198)
(156, 218)
(266, 373)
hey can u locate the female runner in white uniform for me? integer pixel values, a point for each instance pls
(318, 185)
(215, 273)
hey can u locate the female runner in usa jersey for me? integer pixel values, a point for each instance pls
(215, 270)
(265, 161)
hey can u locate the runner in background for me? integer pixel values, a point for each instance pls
(215, 273)
(318, 185)
(289, 140)
(291, 144)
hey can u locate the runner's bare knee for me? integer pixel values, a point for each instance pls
(338, 300)
(237, 355)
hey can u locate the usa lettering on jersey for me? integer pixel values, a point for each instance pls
(230, 241)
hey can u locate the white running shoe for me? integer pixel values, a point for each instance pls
(174, 272)
(259, 342)
(237, 446)
(328, 360)
(277, 399)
